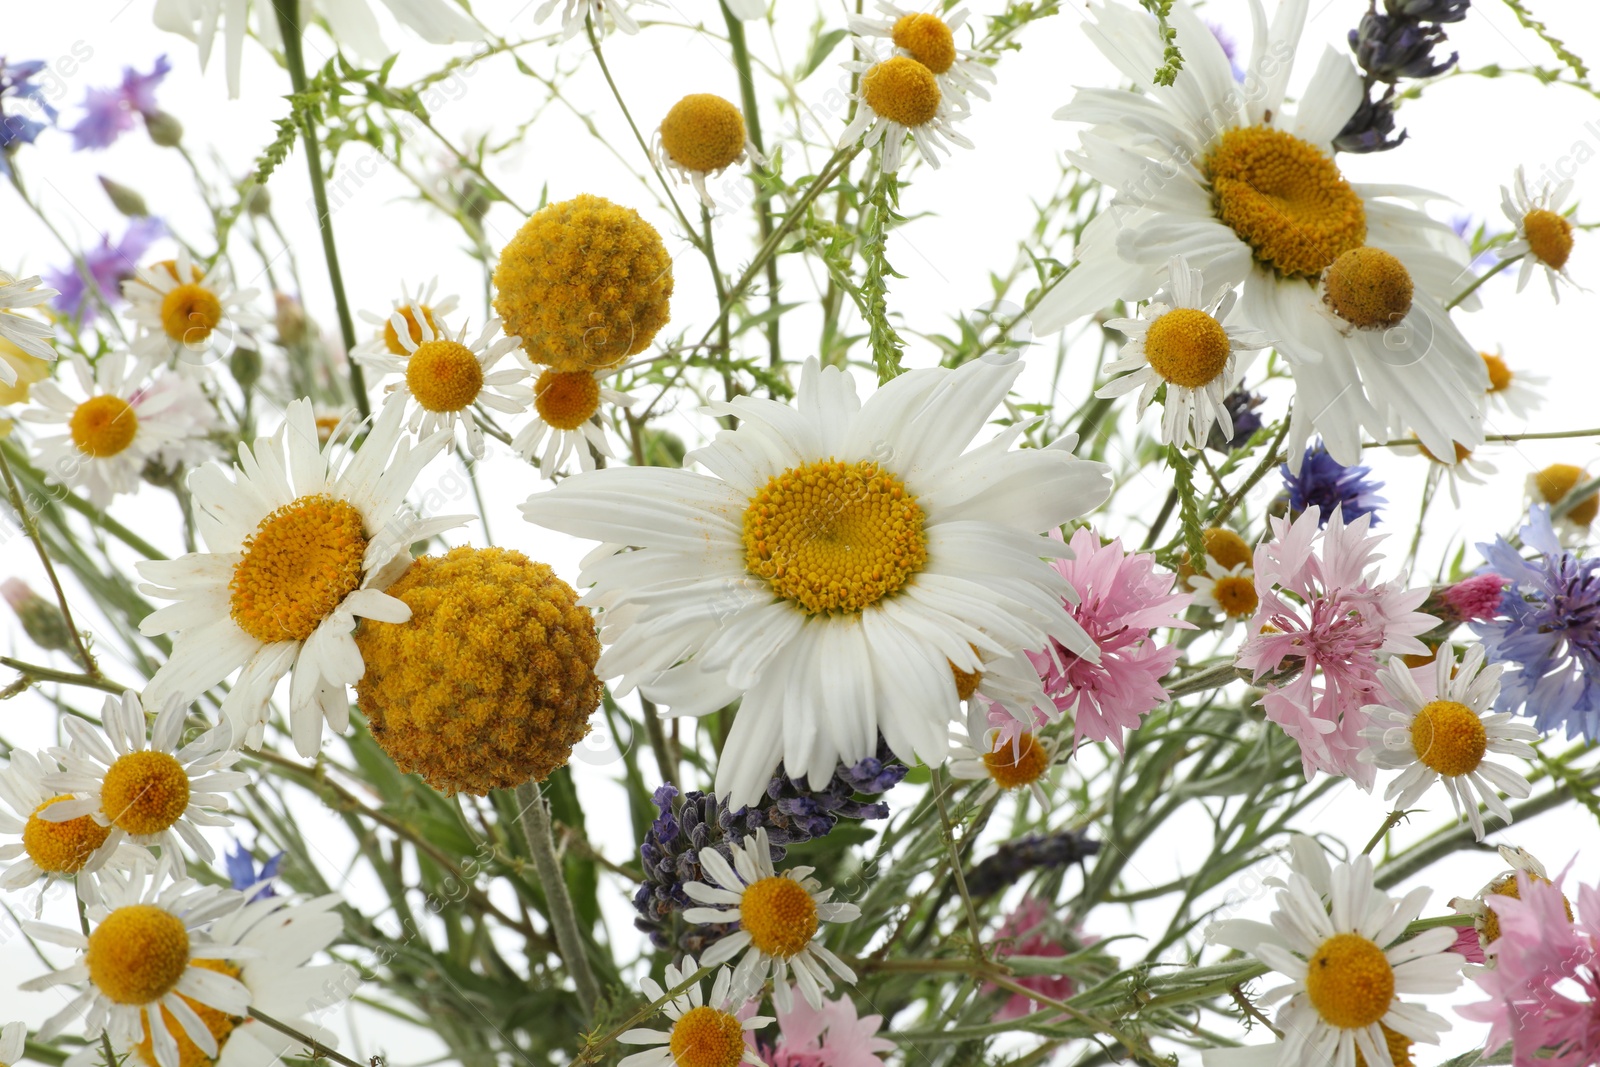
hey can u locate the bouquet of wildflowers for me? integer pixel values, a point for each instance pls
(831, 678)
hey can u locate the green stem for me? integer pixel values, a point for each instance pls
(316, 1049)
(974, 927)
(32, 672)
(563, 918)
(1485, 276)
(752, 121)
(84, 659)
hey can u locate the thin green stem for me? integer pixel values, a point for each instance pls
(316, 1049)
(752, 121)
(1480, 279)
(974, 926)
(1390, 821)
(563, 918)
(31, 528)
(32, 672)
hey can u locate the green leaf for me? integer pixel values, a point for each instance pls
(819, 51)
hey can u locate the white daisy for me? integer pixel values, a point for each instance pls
(188, 324)
(564, 405)
(1006, 760)
(1544, 234)
(898, 96)
(1468, 468)
(1180, 341)
(1248, 192)
(1512, 391)
(838, 561)
(1338, 939)
(697, 1023)
(1553, 484)
(702, 136)
(416, 308)
(576, 13)
(1506, 884)
(780, 917)
(1008, 682)
(120, 421)
(446, 377)
(146, 949)
(47, 849)
(28, 334)
(1440, 730)
(931, 40)
(1229, 591)
(303, 540)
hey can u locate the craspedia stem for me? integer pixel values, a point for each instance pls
(563, 919)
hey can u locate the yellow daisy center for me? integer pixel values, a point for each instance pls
(703, 132)
(706, 1037)
(189, 313)
(1284, 199)
(966, 681)
(779, 915)
(219, 1023)
(444, 375)
(1449, 738)
(1369, 288)
(834, 536)
(566, 400)
(138, 954)
(1559, 479)
(1236, 596)
(1399, 1048)
(1549, 237)
(144, 792)
(1226, 547)
(1500, 375)
(1349, 981)
(298, 566)
(62, 847)
(928, 39)
(901, 90)
(1463, 453)
(1187, 347)
(103, 426)
(1506, 886)
(391, 339)
(1014, 765)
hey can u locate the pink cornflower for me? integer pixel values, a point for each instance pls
(1022, 933)
(1468, 944)
(1324, 611)
(1477, 599)
(1540, 949)
(829, 1036)
(1122, 598)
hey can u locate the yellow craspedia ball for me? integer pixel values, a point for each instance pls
(585, 284)
(492, 681)
(703, 132)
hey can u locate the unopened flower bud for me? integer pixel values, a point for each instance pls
(245, 366)
(41, 619)
(290, 319)
(164, 130)
(124, 199)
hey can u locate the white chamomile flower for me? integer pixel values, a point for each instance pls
(705, 1032)
(1552, 485)
(1467, 467)
(897, 97)
(702, 136)
(188, 317)
(1230, 591)
(446, 376)
(46, 849)
(780, 917)
(1544, 234)
(931, 40)
(145, 961)
(575, 14)
(564, 405)
(1007, 759)
(28, 334)
(1485, 920)
(302, 541)
(1007, 681)
(1179, 341)
(1439, 728)
(416, 308)
(1512, 391)
(120, 420)
(1338, 939)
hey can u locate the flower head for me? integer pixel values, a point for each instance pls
(47, 849)
(930, 39)
(575, 14)
(109, 113)
(244, 875)
(705, 1032)
(1552, 485)
(563, 425)
(1485, 929)
(1512, 391)
(419, 309)
(1027, 931)
(1005, 760)
(1475, 599)
(1324, 485)
(17, 86)
(899, 97)
(1544, 236)
(108, 265)
(831, 1035)
(187, 315)
(702, 136)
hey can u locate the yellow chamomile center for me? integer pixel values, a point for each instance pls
(1399, 1048)
(966, 681)
(1349, 981)
(1285, 199)
(1549, 236)
(1449, 737)
(779, 915)
(928, 39)
(103, 426)
(1187, 347)
(1559, 479)
(189, 313)
(144, 792)
(298, 566)
(444, 375)
(1506, 886)
(219, 1023)
(703, 132)
(62, 847)
(1226, 547)
(706, 1037)
(391, 339)
(901, 90)
(1368, 288)
(566, 400)
(1500, 375)
(1016, 764)
(137, 955)
(1236, 596)
(834, 536)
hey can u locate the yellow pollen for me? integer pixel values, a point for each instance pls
(566, 399)
(103, 426)
(834, 536)
(1187, 347)
(928, 39)
(1349, 981)
(966, 681)
(1506, 886)
(62, 847)
(220, 1024)
(1559, 479)
(189, 313)
(1549, 237)
(1014, 765)
(444, 375)
(706, 1037)
(901, 90)
(298, 566)
(391, 340)
(1449, 738)
(703, 132)
(1500, 375)
(1284, 199)
(1368, 288)
(1236, 596)
(137, 955)
(144, 792)
(1399, 1048)
(779, 915)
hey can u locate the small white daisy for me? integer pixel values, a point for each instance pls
(1551, 485)
(416, 308)
(1007, 759)
(1180, 341)
(1468, 468)
(188, 317)
(702, 136)
(564, 405)
(575, 13)
(13, 1040)
(1506, 884)
(1440, 730)
(28, 334)
(1544, 235)
(46, 849)
(898, 96)
(1230, 591)
(779, 917)
(711, 1029)
(931, 40)
(1512, 391)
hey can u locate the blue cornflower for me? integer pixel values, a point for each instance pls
(16, 129)
(243, 874)
(108, 113)
(1549, 631)
(109, 265)
(1324, 483)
